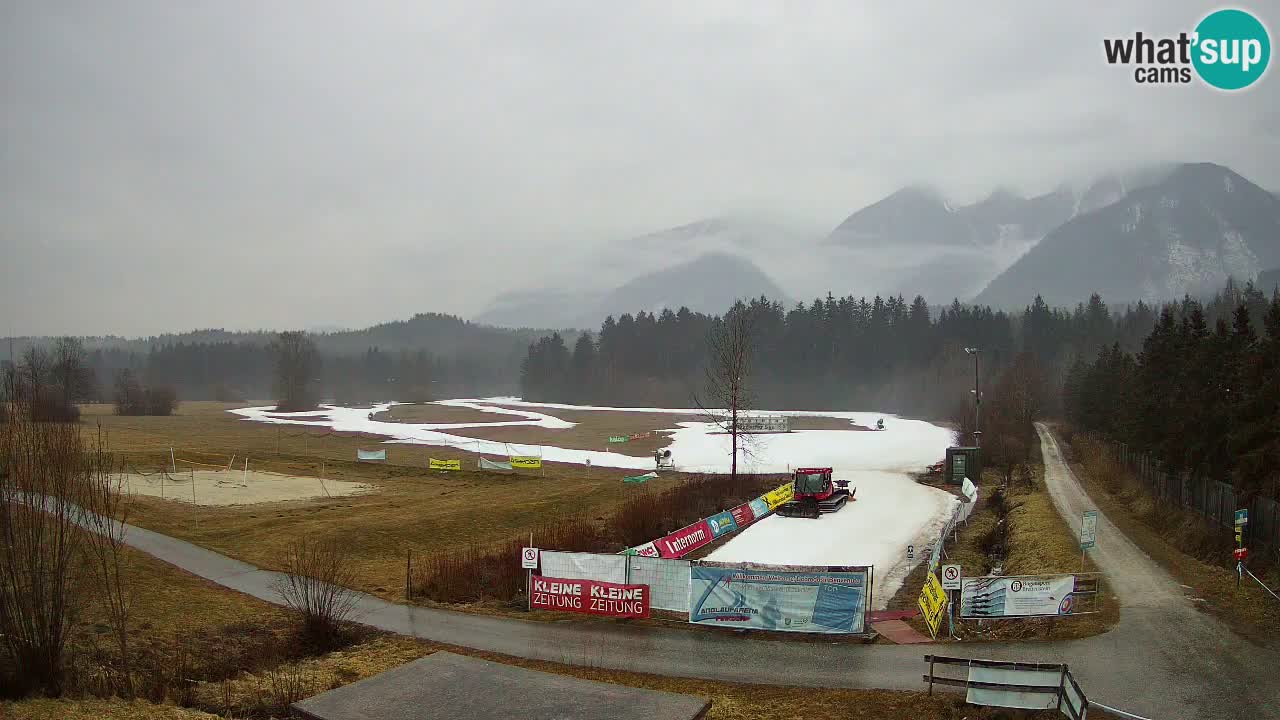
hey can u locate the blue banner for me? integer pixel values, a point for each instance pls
(759, 507)
(821, 601)
(722, 523)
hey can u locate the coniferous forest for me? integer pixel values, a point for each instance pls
(1196, 383)
(832, 353)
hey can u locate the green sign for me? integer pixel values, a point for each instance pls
(617, 438)
(1242, 517)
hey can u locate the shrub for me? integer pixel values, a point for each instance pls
(317, 586)
(490, 572)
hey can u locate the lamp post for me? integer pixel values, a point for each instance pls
(977, 397)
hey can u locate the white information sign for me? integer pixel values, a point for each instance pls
(529, 558)
(950, 577)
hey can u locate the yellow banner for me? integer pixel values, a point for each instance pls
(434, 464)
(526, 461)
(779, 496)
(933, 600)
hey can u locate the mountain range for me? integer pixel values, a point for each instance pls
(1151, 235)
(1183, 235)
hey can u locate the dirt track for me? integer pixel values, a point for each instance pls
(1201, 668)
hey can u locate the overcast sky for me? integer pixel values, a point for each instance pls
(168, 165)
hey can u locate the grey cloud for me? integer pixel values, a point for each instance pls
(251, 165)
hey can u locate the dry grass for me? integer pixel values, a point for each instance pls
(730, 701)
(94, 709)
(1163, 532)
(432, 413)
(411, 509)
(1037, 542)
(174, 601)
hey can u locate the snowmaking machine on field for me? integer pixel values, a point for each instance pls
(814, 493)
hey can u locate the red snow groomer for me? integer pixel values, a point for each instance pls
(814, 493)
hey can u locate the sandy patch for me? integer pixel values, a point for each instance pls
(233, 487)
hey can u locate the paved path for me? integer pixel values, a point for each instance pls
(1163, 659)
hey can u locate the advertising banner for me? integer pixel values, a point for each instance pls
(722, 523)
(685, 540)
(526, 461)
(778, 496)
(759, 507)
(590, 597)
(830, 600)
(743, 515)
(648, 550)
(371, 455)
(618, 438)
(1024, 596)
(434, 464)
(932, 601)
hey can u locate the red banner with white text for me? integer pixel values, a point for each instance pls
(590, 597)
(685, 540)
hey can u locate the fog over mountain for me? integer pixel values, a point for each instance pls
(268, 165)
(1184, 235)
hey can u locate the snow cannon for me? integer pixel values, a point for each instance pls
(814, 493)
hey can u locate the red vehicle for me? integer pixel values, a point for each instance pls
(814, 493)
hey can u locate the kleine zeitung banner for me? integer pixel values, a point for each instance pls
(590, 597)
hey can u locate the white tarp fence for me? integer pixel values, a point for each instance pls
(584, 566)
(491, 465)
(371, 455)
(668, 581)
(1005, 697)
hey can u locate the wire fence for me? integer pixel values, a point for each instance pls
(1214, 500)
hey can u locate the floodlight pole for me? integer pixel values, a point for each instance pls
(977, 398)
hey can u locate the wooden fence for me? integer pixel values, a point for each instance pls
(1216, 501)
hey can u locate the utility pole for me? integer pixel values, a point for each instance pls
(977, 398)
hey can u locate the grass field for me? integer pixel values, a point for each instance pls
(410, 509)
(593, 429)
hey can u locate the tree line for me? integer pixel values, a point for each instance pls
(428, 355)
(831, 353)
(1202, 393)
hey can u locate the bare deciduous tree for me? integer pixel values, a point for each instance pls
(316, 585)
(297, 363)
(730, 345)
(108, 511)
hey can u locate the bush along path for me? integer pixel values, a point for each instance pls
(1163, 659)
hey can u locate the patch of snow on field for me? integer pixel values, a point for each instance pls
(891, 510)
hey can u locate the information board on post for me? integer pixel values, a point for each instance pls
(830, 600)
(1089, 529)
(590, 597)
(950, 577)
(529, 558)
